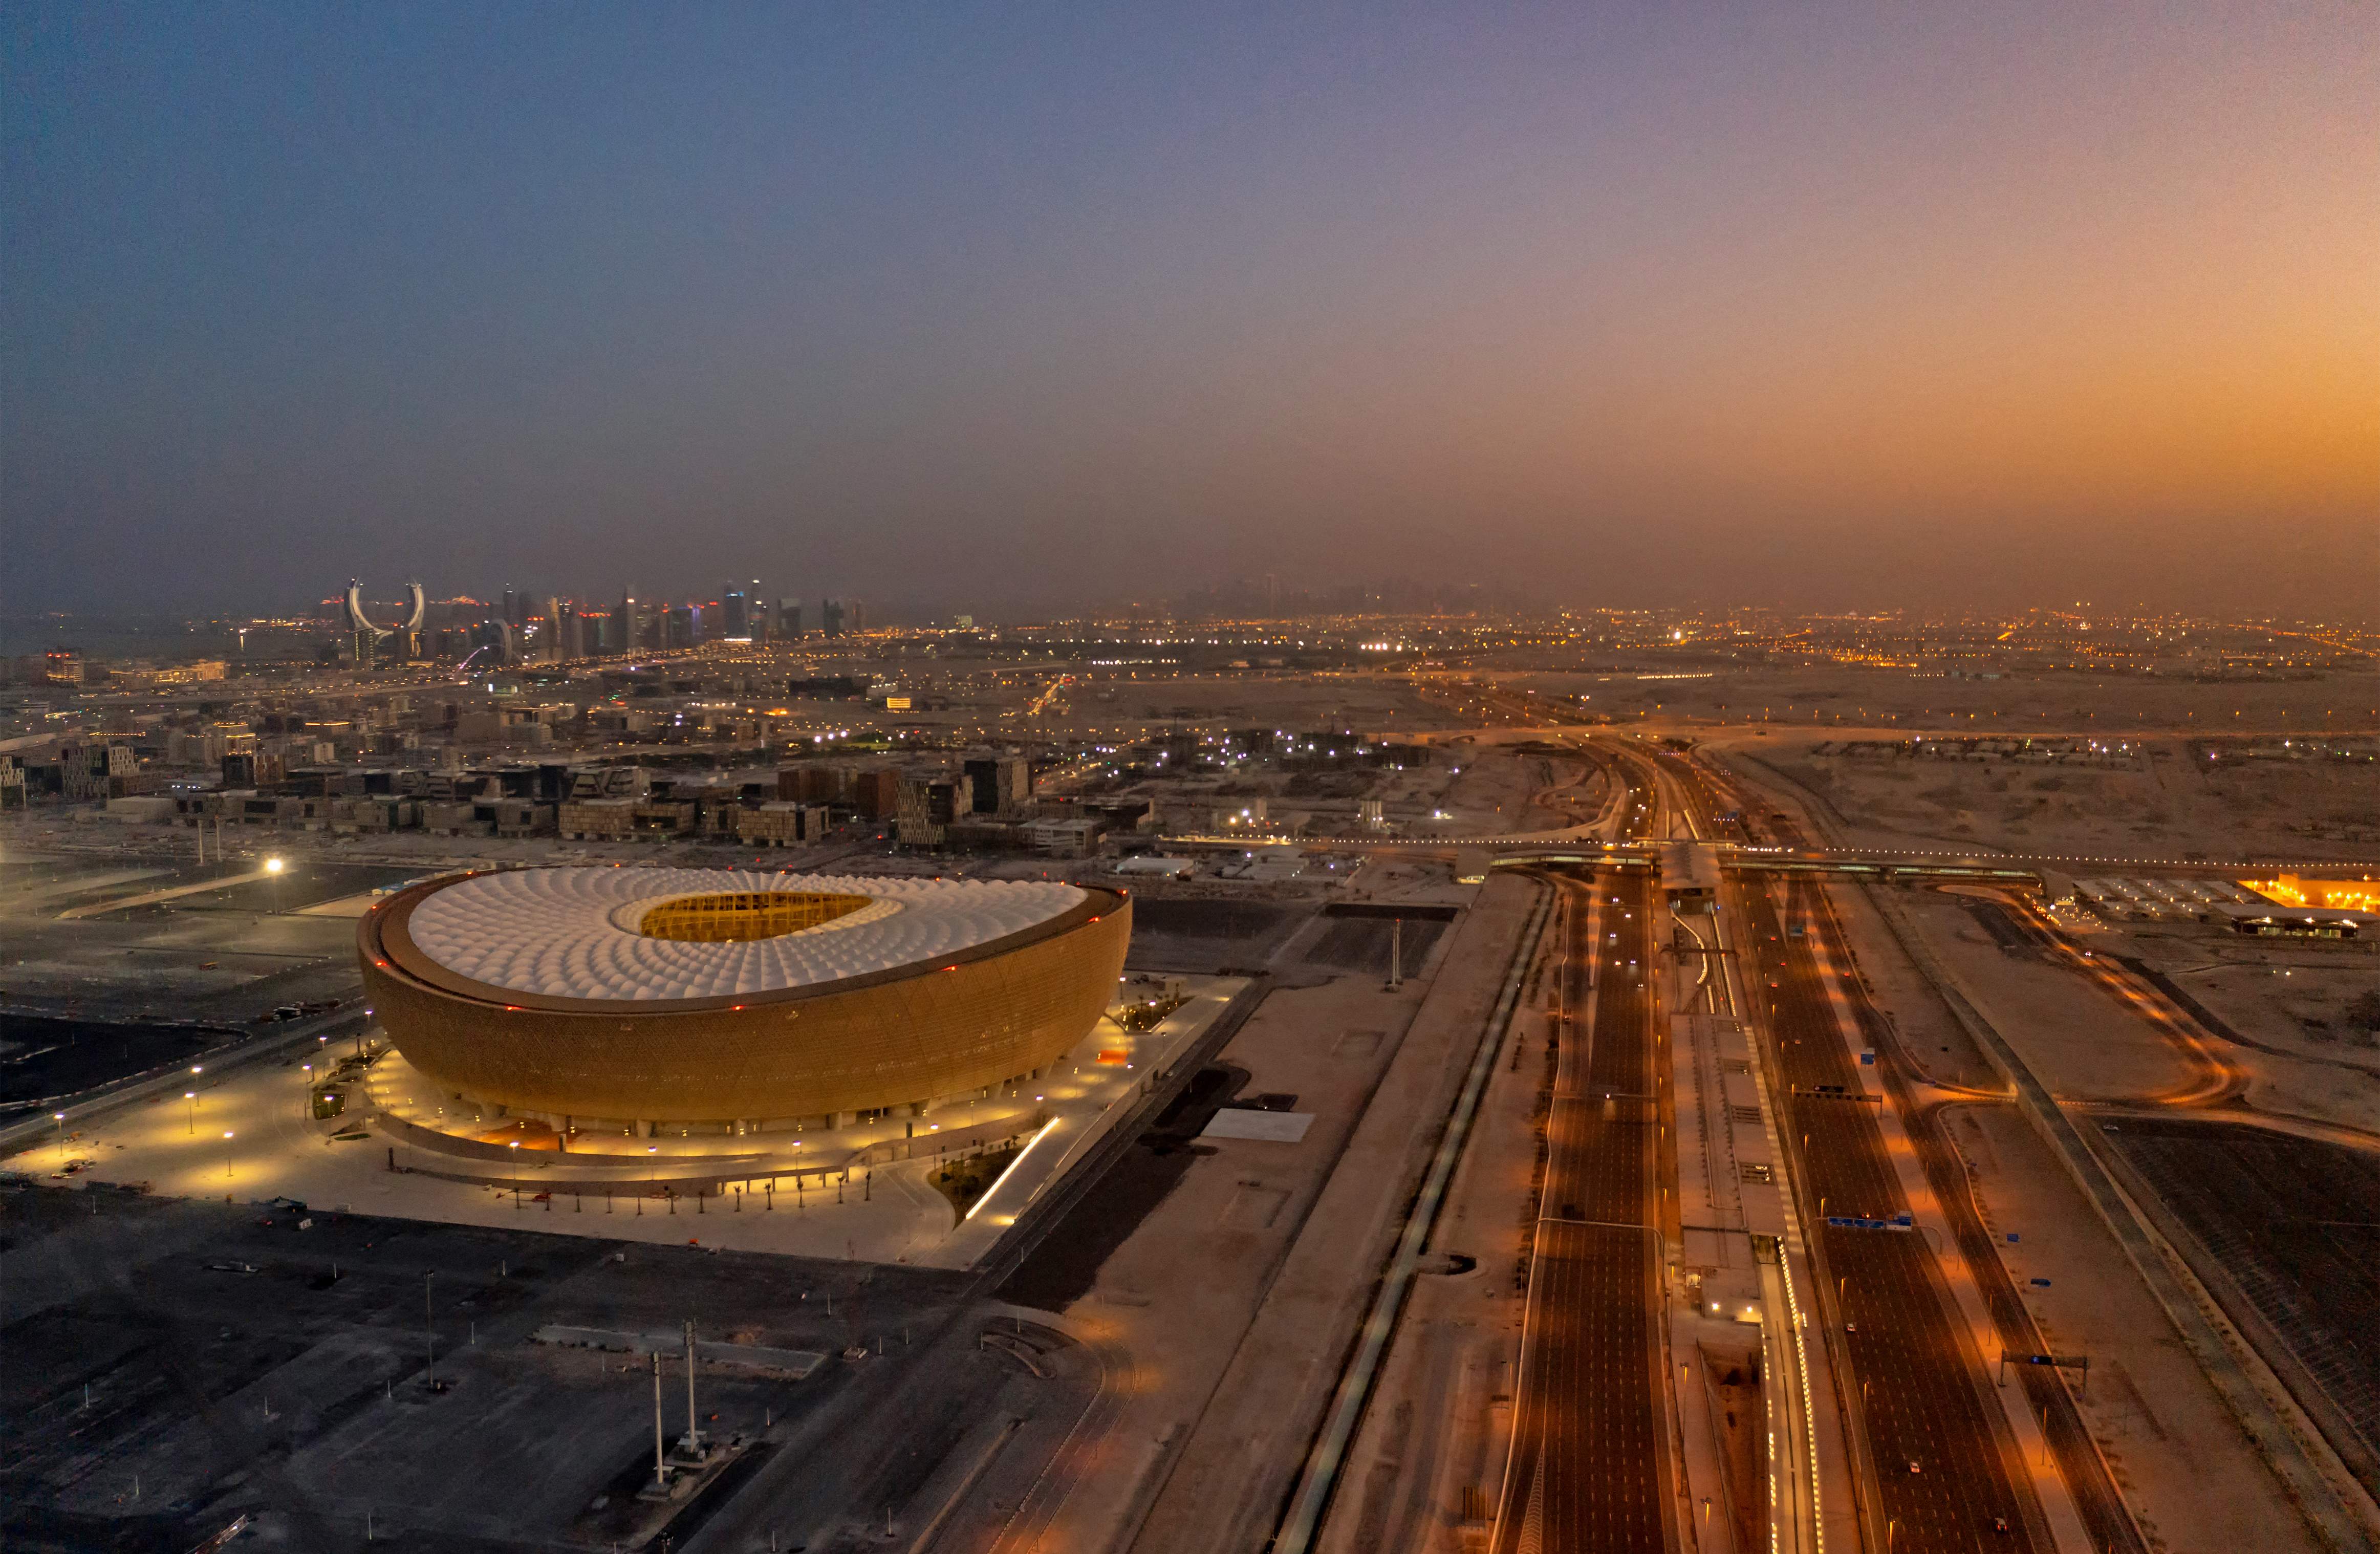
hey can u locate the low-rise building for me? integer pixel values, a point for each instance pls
(456, 817)
(599, 820)
(781, 825)
(1065, 839)
(251, 769)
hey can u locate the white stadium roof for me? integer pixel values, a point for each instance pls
(571, 933)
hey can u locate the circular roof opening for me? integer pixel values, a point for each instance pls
(731, 917)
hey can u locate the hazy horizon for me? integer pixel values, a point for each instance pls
(1982, 307)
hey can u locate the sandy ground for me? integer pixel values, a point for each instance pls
(2182, 1463)
(2163, 799)
(2331, 1073)
(2084, 1044)
(1830, 700)
(2296, 1002)
(1234, 1294)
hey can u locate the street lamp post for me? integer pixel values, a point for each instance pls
(192, 1096)
(226, 1155)
(60, 1118)
(429, 1338)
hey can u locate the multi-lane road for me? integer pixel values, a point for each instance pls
(1944, 1472)
(1590, 1465)
(1941, 1469)
(1936, 1464)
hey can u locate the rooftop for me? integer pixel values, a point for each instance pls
(589, 932)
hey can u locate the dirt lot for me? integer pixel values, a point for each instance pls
(2159, 803)
(2084, 1044)
(1800, 702)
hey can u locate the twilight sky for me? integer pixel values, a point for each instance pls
(1035, 307)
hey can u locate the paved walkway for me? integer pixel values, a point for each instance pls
(122, 904)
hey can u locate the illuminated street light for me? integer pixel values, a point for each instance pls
(274, 865)
(226, 1156)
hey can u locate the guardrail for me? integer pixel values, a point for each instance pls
(1328, 1454)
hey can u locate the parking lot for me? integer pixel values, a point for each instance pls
(174, 1363)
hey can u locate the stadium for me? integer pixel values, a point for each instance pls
(735, 1001)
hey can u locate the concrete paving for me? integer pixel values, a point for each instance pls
(1237, 1296)
(250, 1137)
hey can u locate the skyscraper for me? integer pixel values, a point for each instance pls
(789, 618)
(735, 615)
(830, 616)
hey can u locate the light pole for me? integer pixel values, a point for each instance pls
(429, 1338)
(60, 1118)
(192, 1096)
(226, 1154)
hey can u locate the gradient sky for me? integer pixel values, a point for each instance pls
(1034, 307)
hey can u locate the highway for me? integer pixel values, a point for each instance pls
(1941, 1474)
(1919, 1373)
(1590, 1464)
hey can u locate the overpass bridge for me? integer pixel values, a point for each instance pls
(1676, 859)
(1581, 845)
(1695, 865)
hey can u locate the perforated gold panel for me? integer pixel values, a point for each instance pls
(962, 1023)
(737, 915)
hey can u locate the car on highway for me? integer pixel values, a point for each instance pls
(1913, 1467)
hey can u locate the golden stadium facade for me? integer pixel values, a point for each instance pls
(637, 996)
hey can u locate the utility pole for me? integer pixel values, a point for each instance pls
(660, 1473)
(693, 1436)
